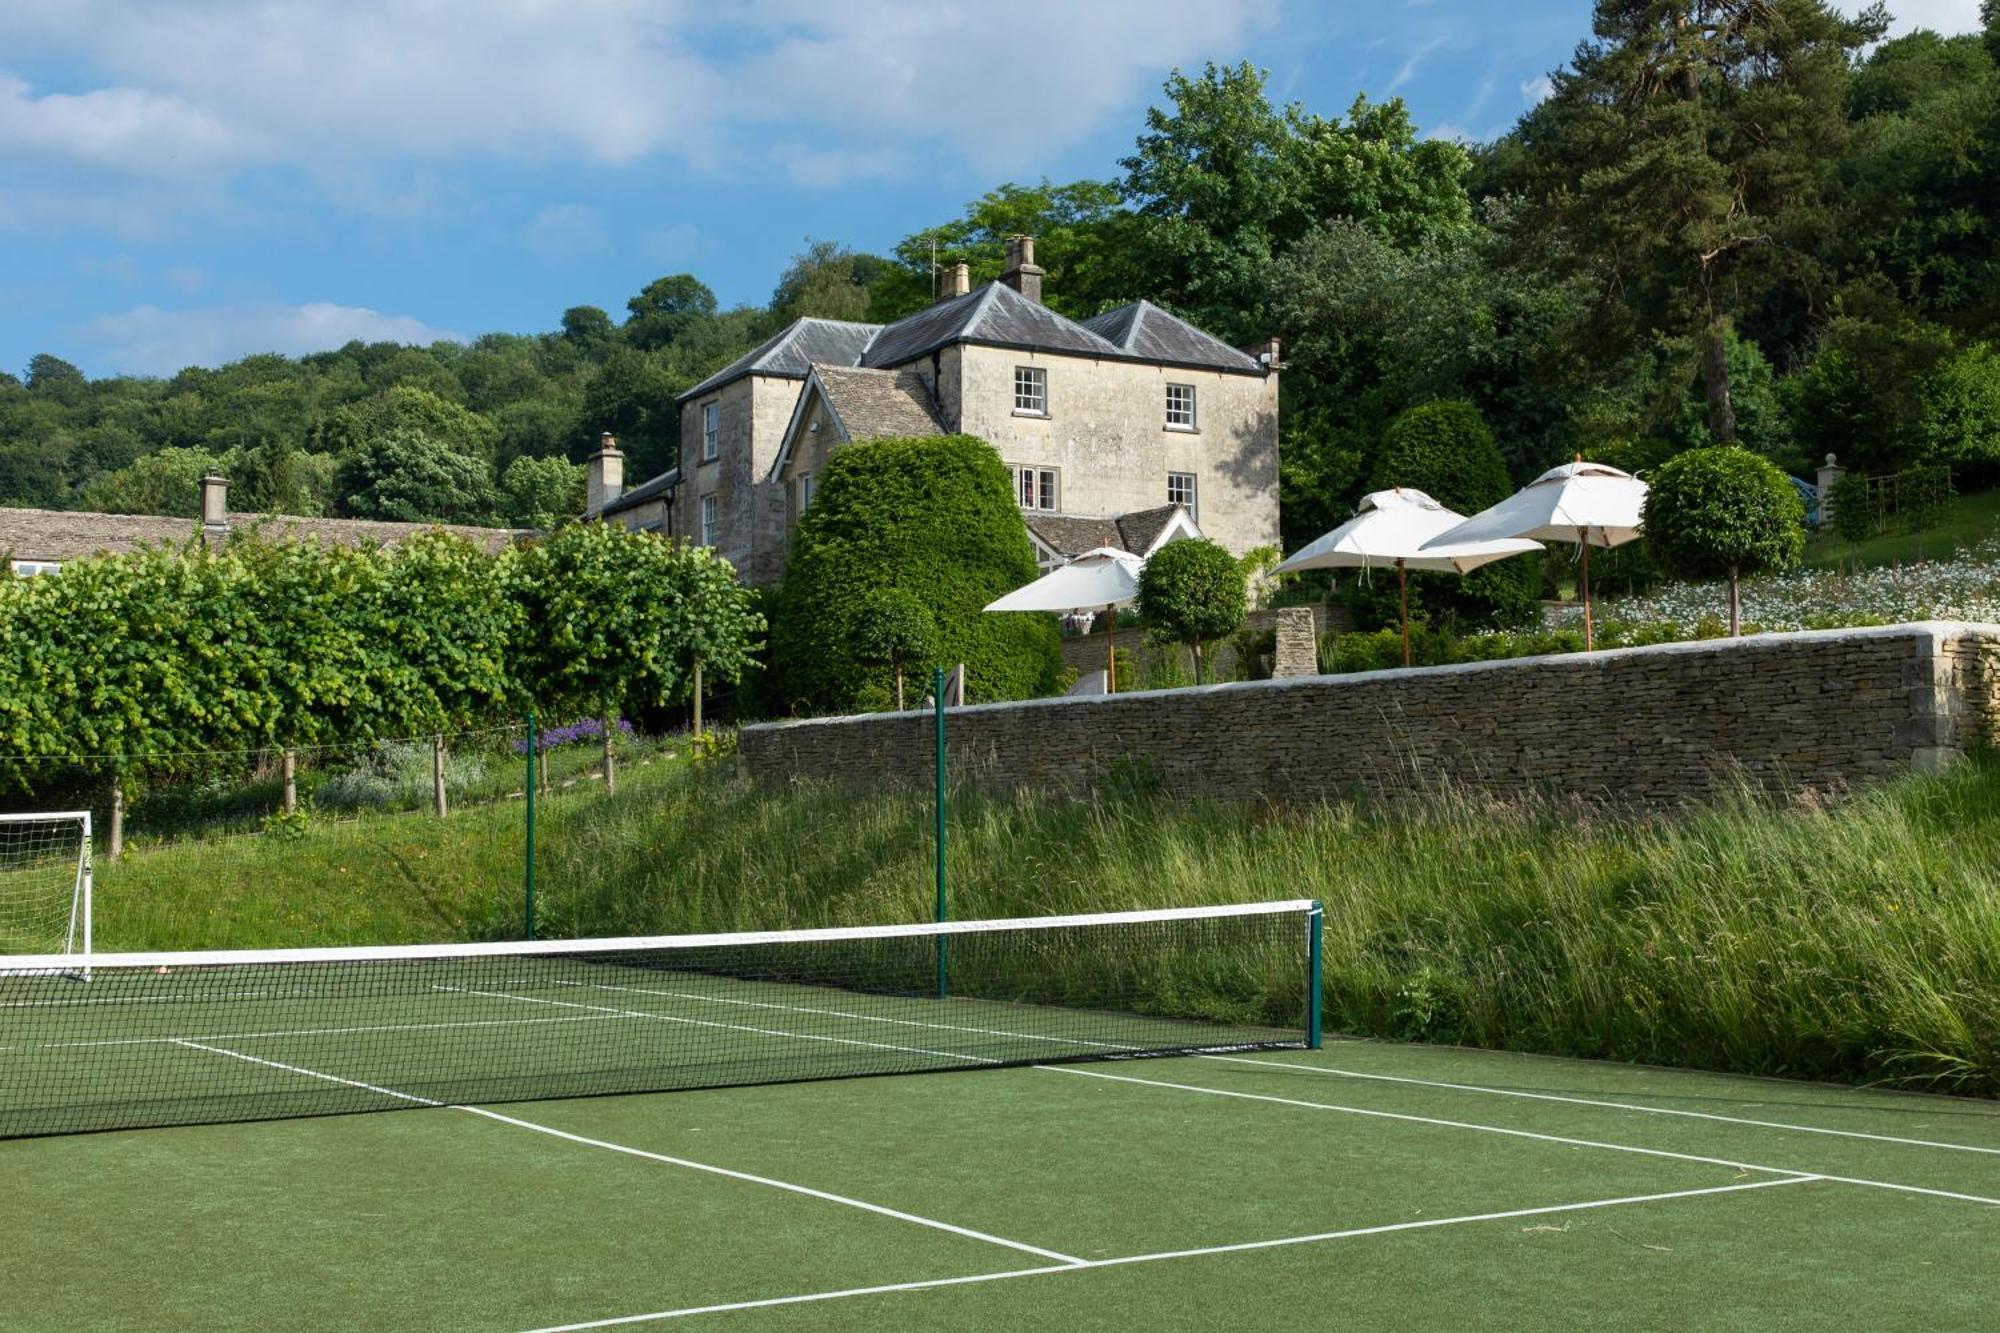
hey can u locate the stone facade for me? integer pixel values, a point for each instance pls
(750, 512)
(1654, 726)
(1296, 651)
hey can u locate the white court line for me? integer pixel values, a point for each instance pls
(866, 1018)
(691, 1165)
(1516, 1133)
(1164, 1255)
(1609, 1105)
(730, 1027)
(303, 1032)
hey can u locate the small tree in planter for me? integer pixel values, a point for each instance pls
(893, 629)
(1191, 592)
(1724, 512)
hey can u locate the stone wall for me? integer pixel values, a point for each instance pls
(1651, 726)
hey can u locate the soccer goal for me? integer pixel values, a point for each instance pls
(45, 883)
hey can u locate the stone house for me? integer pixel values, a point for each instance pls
(41, 541)
(1132, 411)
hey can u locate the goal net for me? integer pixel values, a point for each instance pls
(45, 883)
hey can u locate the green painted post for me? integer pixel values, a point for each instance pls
(937, 697)
(1314, 920)
(528, 870)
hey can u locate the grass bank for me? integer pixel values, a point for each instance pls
(1857, 941)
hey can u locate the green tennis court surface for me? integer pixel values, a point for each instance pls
(1361, 1185)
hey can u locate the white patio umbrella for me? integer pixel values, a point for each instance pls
(1400, 527)
(1586, 503)
(1105, 577)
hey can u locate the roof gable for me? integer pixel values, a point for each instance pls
(1141, 532)
(865, 405)
(1144, 331)
(794, 350)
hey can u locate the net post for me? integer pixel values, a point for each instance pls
(937, 700)
(528, 860)
(1315, 920)
(87, 887)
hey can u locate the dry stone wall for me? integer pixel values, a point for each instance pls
(1651, 726)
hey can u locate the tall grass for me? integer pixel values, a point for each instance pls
(1857, 940)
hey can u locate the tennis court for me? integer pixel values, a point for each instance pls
(1245, 1182)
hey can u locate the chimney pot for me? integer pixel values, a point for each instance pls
(957, 280)
(1023, 274)
(604, 482)
(215, 505)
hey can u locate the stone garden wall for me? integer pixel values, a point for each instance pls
(1652, 726)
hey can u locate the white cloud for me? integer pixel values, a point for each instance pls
(1415, 61)
(565, 229)
(360, 96)
(147, 340)
(1946, 16)
(1537, 90)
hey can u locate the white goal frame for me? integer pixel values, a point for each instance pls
(80, 890)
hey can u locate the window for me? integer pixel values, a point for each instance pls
(805, 490)
(1180, 407)
(1031, 390)
(1037, 487)
(711, 432)
(28, 569)
(708, 520)
(1180, 491)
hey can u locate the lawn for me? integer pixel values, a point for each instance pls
(1972, 520)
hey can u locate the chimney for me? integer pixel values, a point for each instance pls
(1266, 353)
(214, 509)
(957, 280)
(1023, 274)
(605, 481)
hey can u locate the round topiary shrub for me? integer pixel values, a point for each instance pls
(934, 517)
(1446, 451)
(1722, 513)
(1191, 592)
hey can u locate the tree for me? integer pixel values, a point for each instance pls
(893, 628)
(615, 621)
(934, 517)
(408, 477)
(407, 408)
(588, 328)
(666, 310)
(1191, 592)
(1080, 238)
(1446, 451)
(52, 374)
(164, 482)
(1863, 390)
(1961, 413)
(1723, 511)
(1691, 141)
(541, 492)
(827, 281)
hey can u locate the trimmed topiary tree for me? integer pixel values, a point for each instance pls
(1446, 451)
(1723, 512)
(896, 630)
(1191, 592)
(934, 517)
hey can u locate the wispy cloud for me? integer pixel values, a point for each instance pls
(151, 341)
(1537, 90)
(1414, 63)
(1945, 16)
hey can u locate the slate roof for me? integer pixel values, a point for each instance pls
(56, 535)
(793, 350)
(1145, 331)
(645, 491)
(1068, 535)
(994, 314)
(878, 404)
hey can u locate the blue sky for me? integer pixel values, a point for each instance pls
(188, 181)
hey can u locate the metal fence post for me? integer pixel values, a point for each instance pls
(1316, 918)
(937, 697)
(528, 866)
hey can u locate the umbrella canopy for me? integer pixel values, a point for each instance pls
(1400, 526)
(1586, 503)
(1577, 502)
(1101, 577)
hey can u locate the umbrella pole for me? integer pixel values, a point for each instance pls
(1111, 649)
(1588, 639)
(1403, 594)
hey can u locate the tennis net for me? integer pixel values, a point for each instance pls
(191, 1038)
